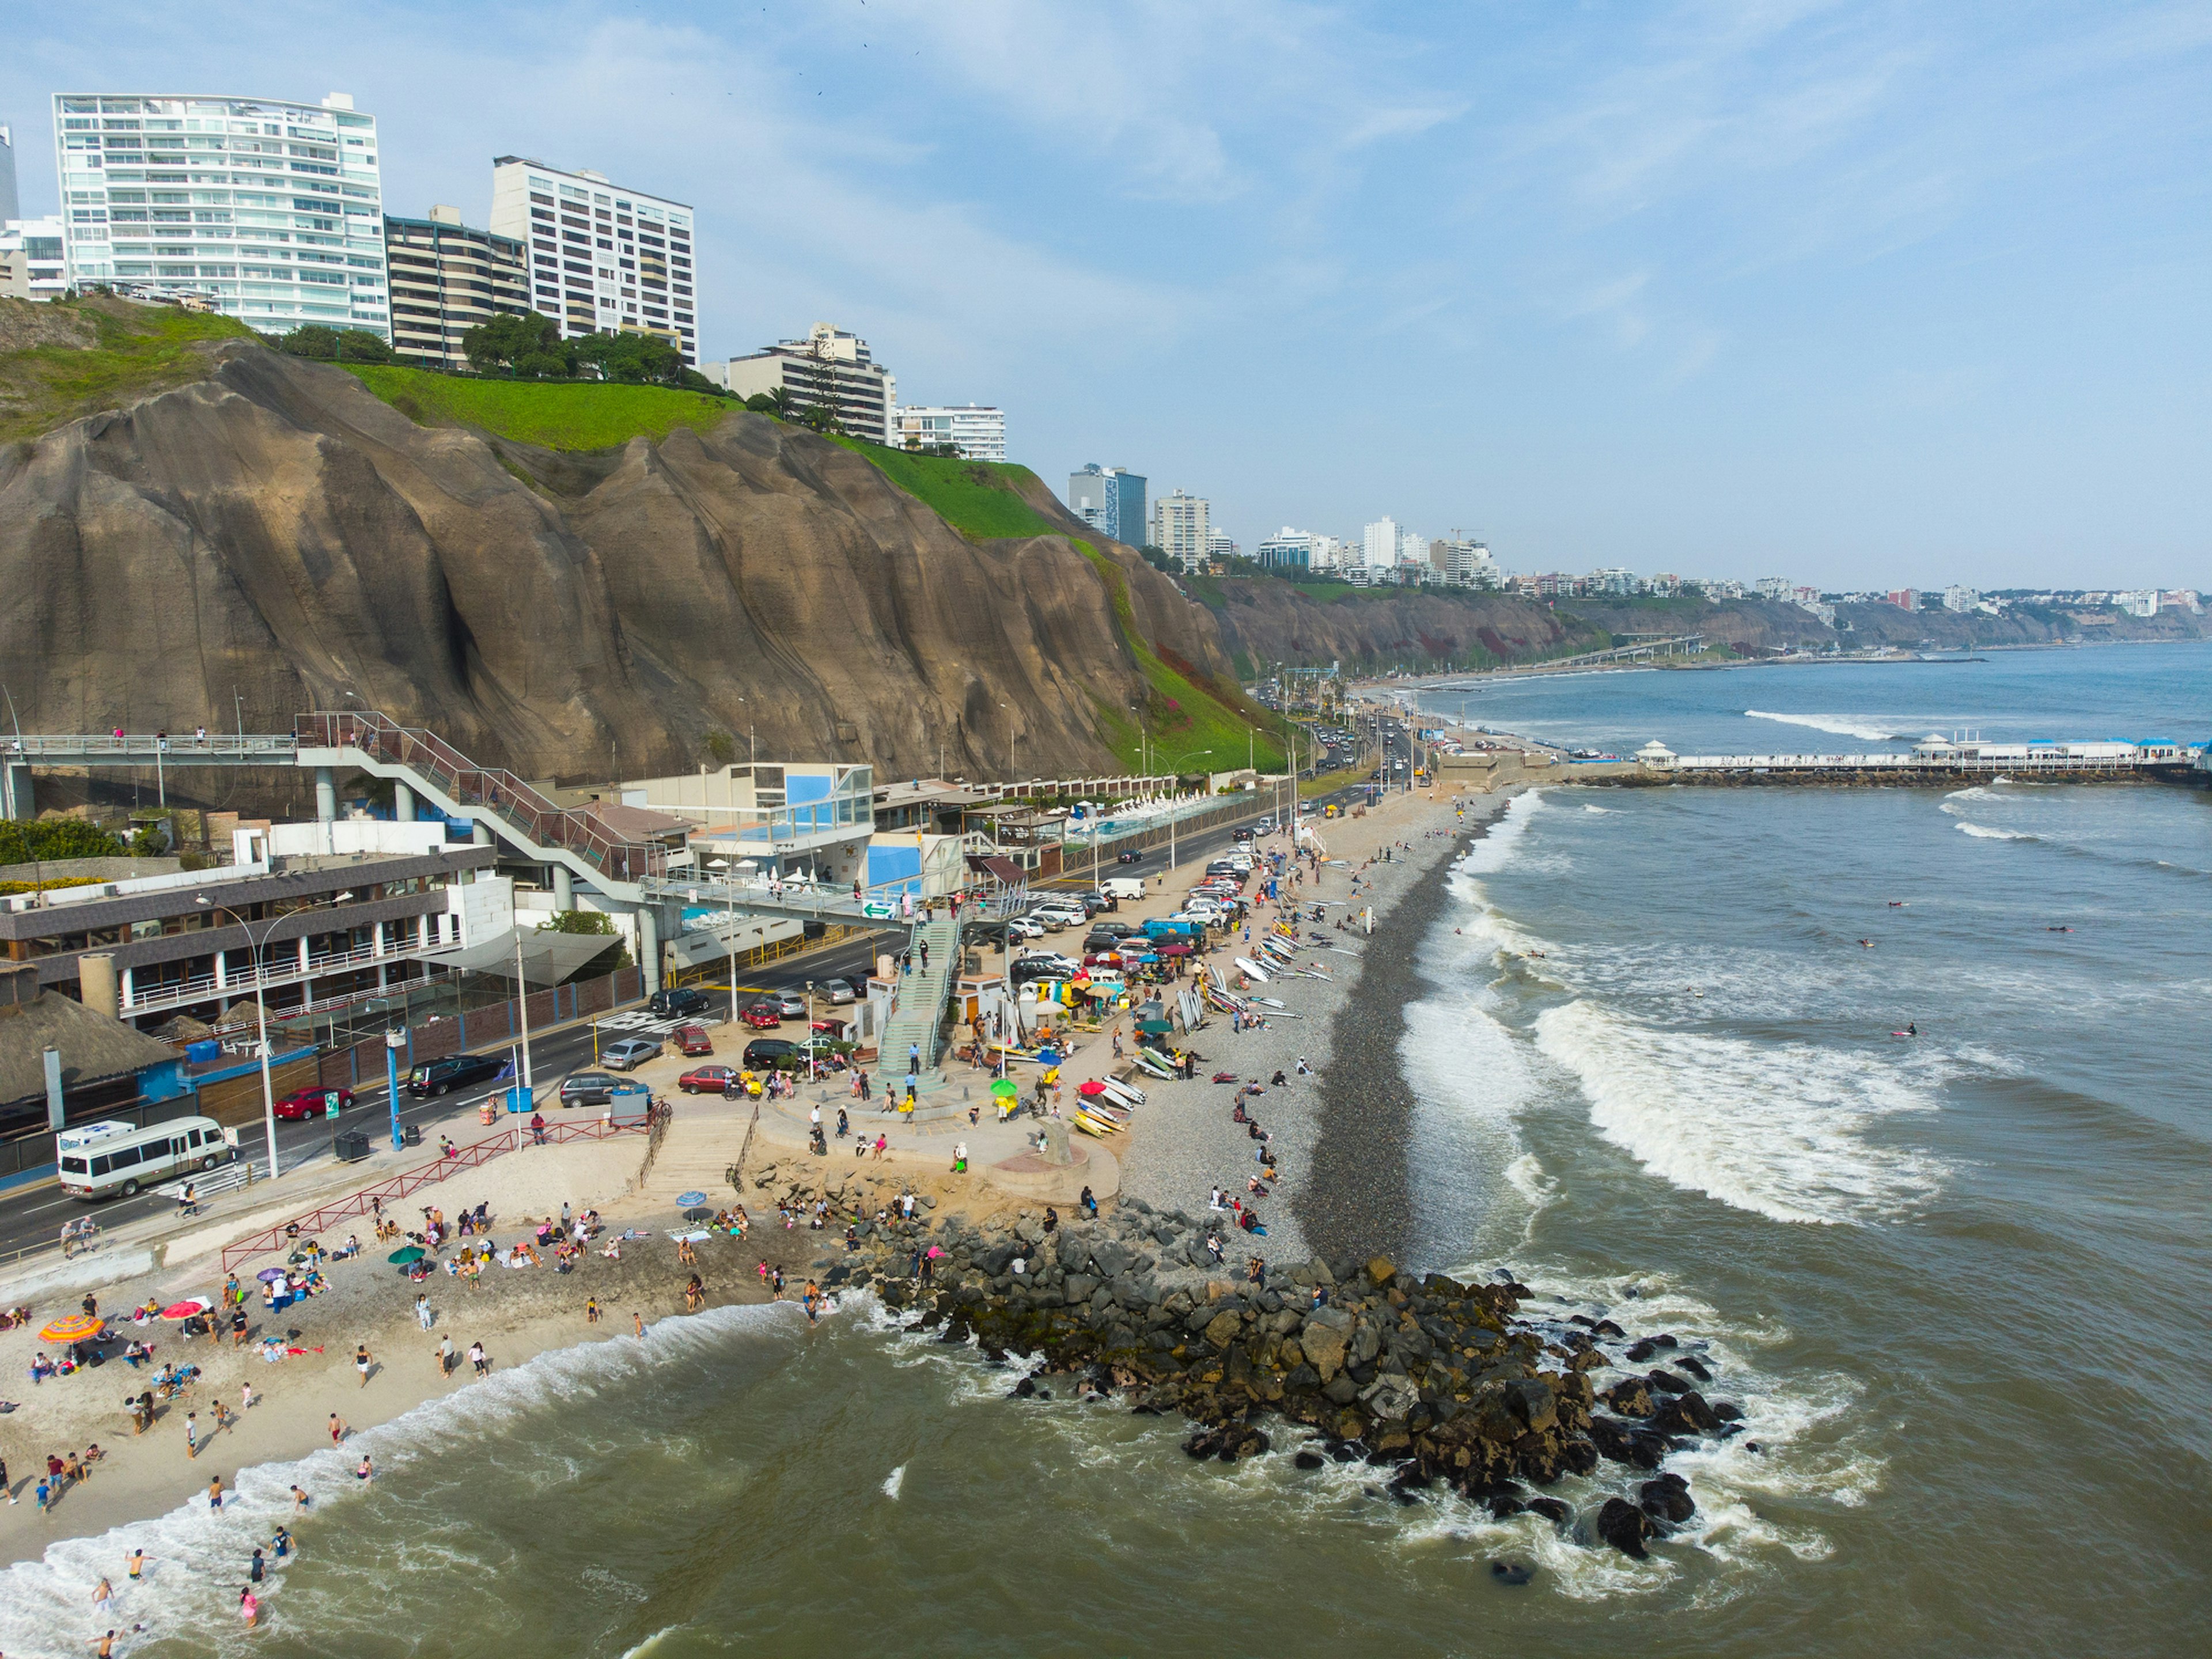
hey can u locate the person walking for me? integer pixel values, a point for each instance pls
(422, 1315)
(191, 1434)
(362, 1361)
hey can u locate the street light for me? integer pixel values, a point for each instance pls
(261, 1008)
(1193, 755)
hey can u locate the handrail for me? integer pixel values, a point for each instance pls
(492, 789)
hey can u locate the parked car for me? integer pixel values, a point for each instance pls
(312, 1103)
(435, 1077)
(771, 1054)
(1134, 855)
(1021, 928)
(682, 1000)
(835, 1029)
(588, 1089)
(1265, 826)
(629, 1054)
(792, 1005)
(692, 1041)
(763, 1016)
(839, 991)
(707, 1079)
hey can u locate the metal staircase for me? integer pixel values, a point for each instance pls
(919, 1021)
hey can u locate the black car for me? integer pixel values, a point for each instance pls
(683, 1001)
(771, 1053)
(1098, 939)
(1134, 855)
(588, 1089)
(434, 1077)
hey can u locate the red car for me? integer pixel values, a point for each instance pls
(832, 1029)
(706, 1080)
(763, 1016)
(312, 1103)
(692, 1041)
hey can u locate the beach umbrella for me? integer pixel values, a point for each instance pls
(270, 1275)
(687, 1199)
(1093, 1087)
(74, 1328)
(1005, 1086)
(1155, 1027)
(187, 1308)
(409, 1253)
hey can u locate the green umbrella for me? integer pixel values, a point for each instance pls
(1005, 1086)
(402, 1257)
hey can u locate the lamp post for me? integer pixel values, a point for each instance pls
(261, 1009)
(393, 1042)
(810, 1030)
(1193, 755)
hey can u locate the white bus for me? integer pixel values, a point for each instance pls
(103, 1159)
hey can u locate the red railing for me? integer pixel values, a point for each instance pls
(492, 789)
(472, 1156)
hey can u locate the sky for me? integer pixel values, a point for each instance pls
(1862, 294)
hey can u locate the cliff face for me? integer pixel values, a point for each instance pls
(275, 530)
(1270, 621)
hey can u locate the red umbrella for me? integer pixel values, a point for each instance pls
(187, 1307)
(1093, 1087)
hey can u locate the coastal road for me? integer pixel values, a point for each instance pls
(33, 1217)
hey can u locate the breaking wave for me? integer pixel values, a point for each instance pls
(1843, 726)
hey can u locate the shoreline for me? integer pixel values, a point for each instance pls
(1361, 1183)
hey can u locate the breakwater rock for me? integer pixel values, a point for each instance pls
(1446, 1383)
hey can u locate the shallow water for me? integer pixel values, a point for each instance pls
(1957, 1282)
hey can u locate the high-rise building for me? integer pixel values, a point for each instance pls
(1111, 501)
(829, 369)
(1959, 597)
(11, 204)
(1465, 563)
(445, 279)
(975, 431)
(1380, 543)
(603, 259)
(31, 264)
(273, 211)
(1286, 549)
(1776, 588)
(1180, 528)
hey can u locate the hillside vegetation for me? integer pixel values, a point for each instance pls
(63, 360)
(550, 414)
(979, 499)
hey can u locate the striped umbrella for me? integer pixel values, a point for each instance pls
(74, 1328)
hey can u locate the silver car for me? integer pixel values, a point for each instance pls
(629, 1054)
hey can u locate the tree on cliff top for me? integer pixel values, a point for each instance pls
(528, 346)
(350, 345)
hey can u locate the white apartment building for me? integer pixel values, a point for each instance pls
(274, 210)
(603, 259)
(1775, 588)
(1380, 543)
(1220, 545)
(1465, 562)
(831, 369)
(1959, 598)
(976, 430)
(1181, 528)
(33, 265)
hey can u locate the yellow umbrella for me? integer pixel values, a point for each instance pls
(74, 1328)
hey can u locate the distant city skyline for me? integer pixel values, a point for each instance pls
(1877, 293)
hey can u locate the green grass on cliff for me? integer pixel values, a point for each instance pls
(979, 499)
(550, 414)
(1188, 723)
(77, 357)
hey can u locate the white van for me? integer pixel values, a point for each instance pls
(1123, 887)
(102, 1158)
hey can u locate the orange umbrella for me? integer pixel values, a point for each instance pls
(74, 1328)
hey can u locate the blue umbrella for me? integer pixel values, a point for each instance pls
(687, 1199)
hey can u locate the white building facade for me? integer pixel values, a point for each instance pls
(11, 204)
(976, 430)
(273, 211)
(1379, 541)
(603, 259)
(1110, 500)
(1181, 527)
(33, 264)
(831, 369)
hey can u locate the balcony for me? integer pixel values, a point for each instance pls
(281, 968)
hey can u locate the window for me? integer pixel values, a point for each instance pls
(124, 1158)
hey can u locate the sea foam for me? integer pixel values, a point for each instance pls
(1783, 1131)
(1843, 726)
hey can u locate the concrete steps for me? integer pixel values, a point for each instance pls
(920, 1019)
(697, 1152)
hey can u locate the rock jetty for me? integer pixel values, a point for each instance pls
(1445, 1382)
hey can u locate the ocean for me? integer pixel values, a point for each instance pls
(1957, 1280)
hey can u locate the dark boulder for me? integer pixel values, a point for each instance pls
(1512, 1572)
(1501, 1508)
(1624, 1526)
(1642, 1351)
(1611, 1440)
(1024, 1389)
(1308, 1459)
(1666, 1382)
(1552, 1509)
(1726, 1411)
(1630, 1397)
(1577, 1456)
(1685, 1414)
(1691, 1364)
(1606, 1328)
(1666, 1498)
